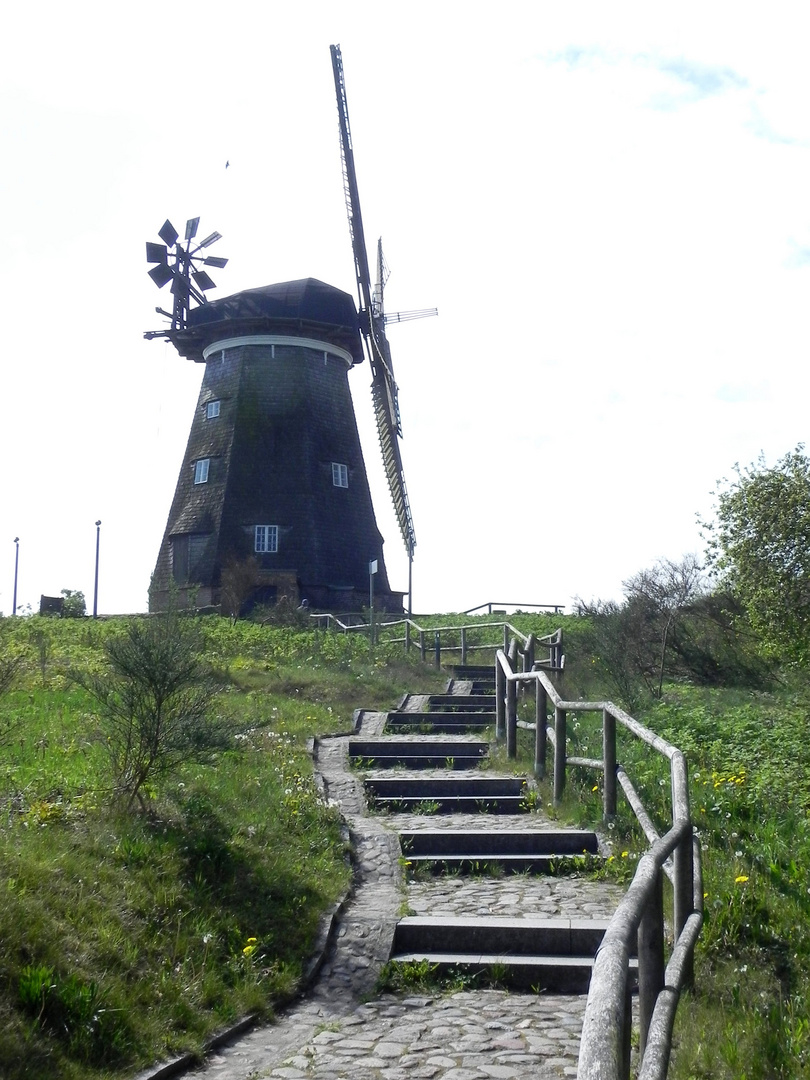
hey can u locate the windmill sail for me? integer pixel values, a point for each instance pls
(372, 324)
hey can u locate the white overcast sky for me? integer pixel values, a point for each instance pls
(609, 203)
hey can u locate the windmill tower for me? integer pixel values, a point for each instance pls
(273, 486)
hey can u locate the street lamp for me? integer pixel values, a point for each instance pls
(95, 589)
(16, 567)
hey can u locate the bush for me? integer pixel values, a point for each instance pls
(73, 604)
(155, 703)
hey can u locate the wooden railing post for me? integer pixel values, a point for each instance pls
(650, 959)
(540, 722)
(505, 638)
(463, 645)
(422, 645)
(407, 637)
(609, 761)
(500, 701)
(682, 861)
(528, 654)
(511, 718)
(437, 647)
(559, 754)
(627, 1031)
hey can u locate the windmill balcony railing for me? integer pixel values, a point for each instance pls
(638, 923)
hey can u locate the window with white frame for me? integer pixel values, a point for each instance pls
(265, 538)
(211, 410)
(201, 470)
(340, 475)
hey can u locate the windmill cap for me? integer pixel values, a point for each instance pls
(303, 308)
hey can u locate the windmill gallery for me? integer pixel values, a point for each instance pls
(273, 479)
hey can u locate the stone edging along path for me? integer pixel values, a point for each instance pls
(341, 1029)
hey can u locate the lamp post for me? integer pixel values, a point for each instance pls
(95, 588)
(16, 567)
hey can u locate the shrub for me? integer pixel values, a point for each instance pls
(155, 703)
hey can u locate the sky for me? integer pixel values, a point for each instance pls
(609, 204)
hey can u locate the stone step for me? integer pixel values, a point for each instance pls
(462, 703)
(532, 936)
(543, 953)
(559, 974)
(480, 794)
(500, 841)
(513, 851)
(419, 753)
(473, 671)
(447, 722)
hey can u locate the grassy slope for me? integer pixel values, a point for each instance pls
(127, 938)
(158, 913)
(749, 762)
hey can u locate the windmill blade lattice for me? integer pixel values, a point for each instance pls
(372, 323)
(181, 262)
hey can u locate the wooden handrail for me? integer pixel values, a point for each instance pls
(638, 920)
(527, 643)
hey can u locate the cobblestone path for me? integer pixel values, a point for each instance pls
(341, 1031)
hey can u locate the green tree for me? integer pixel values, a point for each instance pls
(759, 548)
(155, 702)
(74, 605)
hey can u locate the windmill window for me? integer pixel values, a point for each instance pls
(212, 410)
(201, 470)
(340, 475)
(187, 552)
(266, 538)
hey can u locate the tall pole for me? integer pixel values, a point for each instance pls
(372, 570)
(95, 588)
(16, 568)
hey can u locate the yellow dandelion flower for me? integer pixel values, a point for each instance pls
(740, 879)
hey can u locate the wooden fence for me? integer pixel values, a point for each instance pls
(638, 924)
(441, 642)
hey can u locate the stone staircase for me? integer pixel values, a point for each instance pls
(455, 817)
(488, 895)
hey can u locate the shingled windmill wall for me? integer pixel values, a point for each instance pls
(285, 482)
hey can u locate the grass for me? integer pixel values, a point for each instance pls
(126, 938)
(749, 762)
(750, 779)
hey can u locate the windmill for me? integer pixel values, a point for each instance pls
(373, 319)
(273, 492)
(272, 501)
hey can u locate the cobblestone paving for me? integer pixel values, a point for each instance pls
(340, 1030)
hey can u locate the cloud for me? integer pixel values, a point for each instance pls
(734, 393)
(759, 126)
(574, 56)
(702, 79)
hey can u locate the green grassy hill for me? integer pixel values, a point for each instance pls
(126, 937)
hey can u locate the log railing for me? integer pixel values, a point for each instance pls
(440, 641)
(637, 926)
